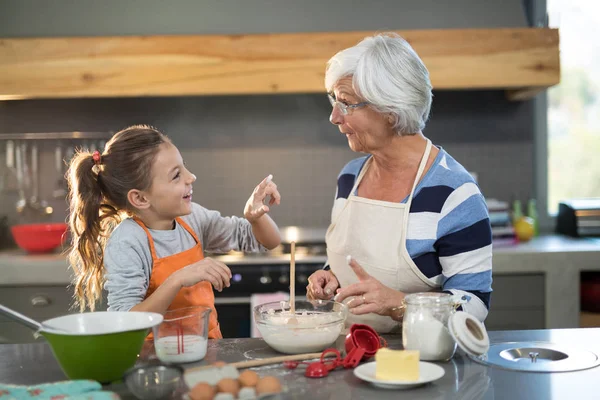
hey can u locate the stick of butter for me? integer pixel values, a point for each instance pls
(397, 365)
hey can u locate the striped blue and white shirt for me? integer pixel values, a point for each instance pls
(449, 235)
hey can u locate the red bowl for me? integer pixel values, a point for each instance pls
(39, 238)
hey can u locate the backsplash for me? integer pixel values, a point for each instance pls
(232, 142)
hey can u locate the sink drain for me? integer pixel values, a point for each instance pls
(537, 357)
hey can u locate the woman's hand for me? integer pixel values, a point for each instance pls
(208, 269)
(370, 295)
(322, 285)
(255, 207)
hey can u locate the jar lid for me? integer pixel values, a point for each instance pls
(429, 299)
(469, 333)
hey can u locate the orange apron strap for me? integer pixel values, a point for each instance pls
(150, 240)
(189, 229)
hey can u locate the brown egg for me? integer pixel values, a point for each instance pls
(219, 364)
(228, 385)
(268, 384)
(248, 378)
(202, 391)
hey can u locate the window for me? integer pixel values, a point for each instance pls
(574, 104)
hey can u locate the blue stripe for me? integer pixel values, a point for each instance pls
(471, 210)
(416, 247)
(430, 199)
(478, 281)
(470, 238)
(345, 184)
(429, 264)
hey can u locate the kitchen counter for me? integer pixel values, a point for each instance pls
(542, 254)
(464, 379)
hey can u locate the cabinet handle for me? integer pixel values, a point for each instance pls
(40, 301)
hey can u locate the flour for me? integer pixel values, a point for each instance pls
(302, 342)
(304, 319)
(430, 337)
(180, 349)
(313, 331)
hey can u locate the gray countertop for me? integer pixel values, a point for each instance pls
(19, 268)
(464, 379)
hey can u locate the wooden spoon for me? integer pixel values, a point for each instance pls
(293, 320)
(263, 361)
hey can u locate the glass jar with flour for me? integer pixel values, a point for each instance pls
(425, 325)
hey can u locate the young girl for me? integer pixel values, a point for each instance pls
(135, 229)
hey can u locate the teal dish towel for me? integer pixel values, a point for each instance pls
(68, 390)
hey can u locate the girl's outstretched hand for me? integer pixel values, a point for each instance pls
(257, 205)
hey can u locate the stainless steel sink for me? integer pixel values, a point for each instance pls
(538, 357)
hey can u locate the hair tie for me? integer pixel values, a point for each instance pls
(97, 161)
(97, 157)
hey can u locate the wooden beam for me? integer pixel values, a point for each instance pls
(266, 63)
(524, 93)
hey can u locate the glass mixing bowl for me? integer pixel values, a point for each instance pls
(315, 326)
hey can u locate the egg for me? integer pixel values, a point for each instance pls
(247, 393)
(202, 391)
(224, 396)
(268, 384)
(228, 385)
(248, 378)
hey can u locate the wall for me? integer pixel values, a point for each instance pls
(231, 142)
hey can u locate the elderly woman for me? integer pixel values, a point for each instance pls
(407, 217)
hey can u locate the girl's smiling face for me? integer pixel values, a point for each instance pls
(170, 194)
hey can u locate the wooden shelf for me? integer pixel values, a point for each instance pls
(524, 61)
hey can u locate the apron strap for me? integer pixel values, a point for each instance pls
(188, 228)
(412, 192)
(420, 172)
(363, 171)
(150, 240)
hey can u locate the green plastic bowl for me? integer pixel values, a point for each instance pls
(99, 345)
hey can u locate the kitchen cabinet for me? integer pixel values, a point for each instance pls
(37, 302)
(522, 61)
(518, 302)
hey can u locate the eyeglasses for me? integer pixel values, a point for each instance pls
(346, 109)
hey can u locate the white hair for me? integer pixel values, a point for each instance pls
(389, 74)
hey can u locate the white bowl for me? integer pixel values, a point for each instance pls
(104, 322)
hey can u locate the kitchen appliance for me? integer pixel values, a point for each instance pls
(579, 217)
(262, 273)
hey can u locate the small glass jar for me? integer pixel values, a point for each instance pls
(425, 325)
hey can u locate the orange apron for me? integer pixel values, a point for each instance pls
(201, 294)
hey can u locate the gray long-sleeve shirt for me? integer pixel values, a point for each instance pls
(128, 260)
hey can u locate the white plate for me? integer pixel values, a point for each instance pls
(428, 372)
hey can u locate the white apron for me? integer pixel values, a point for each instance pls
(373, 232)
